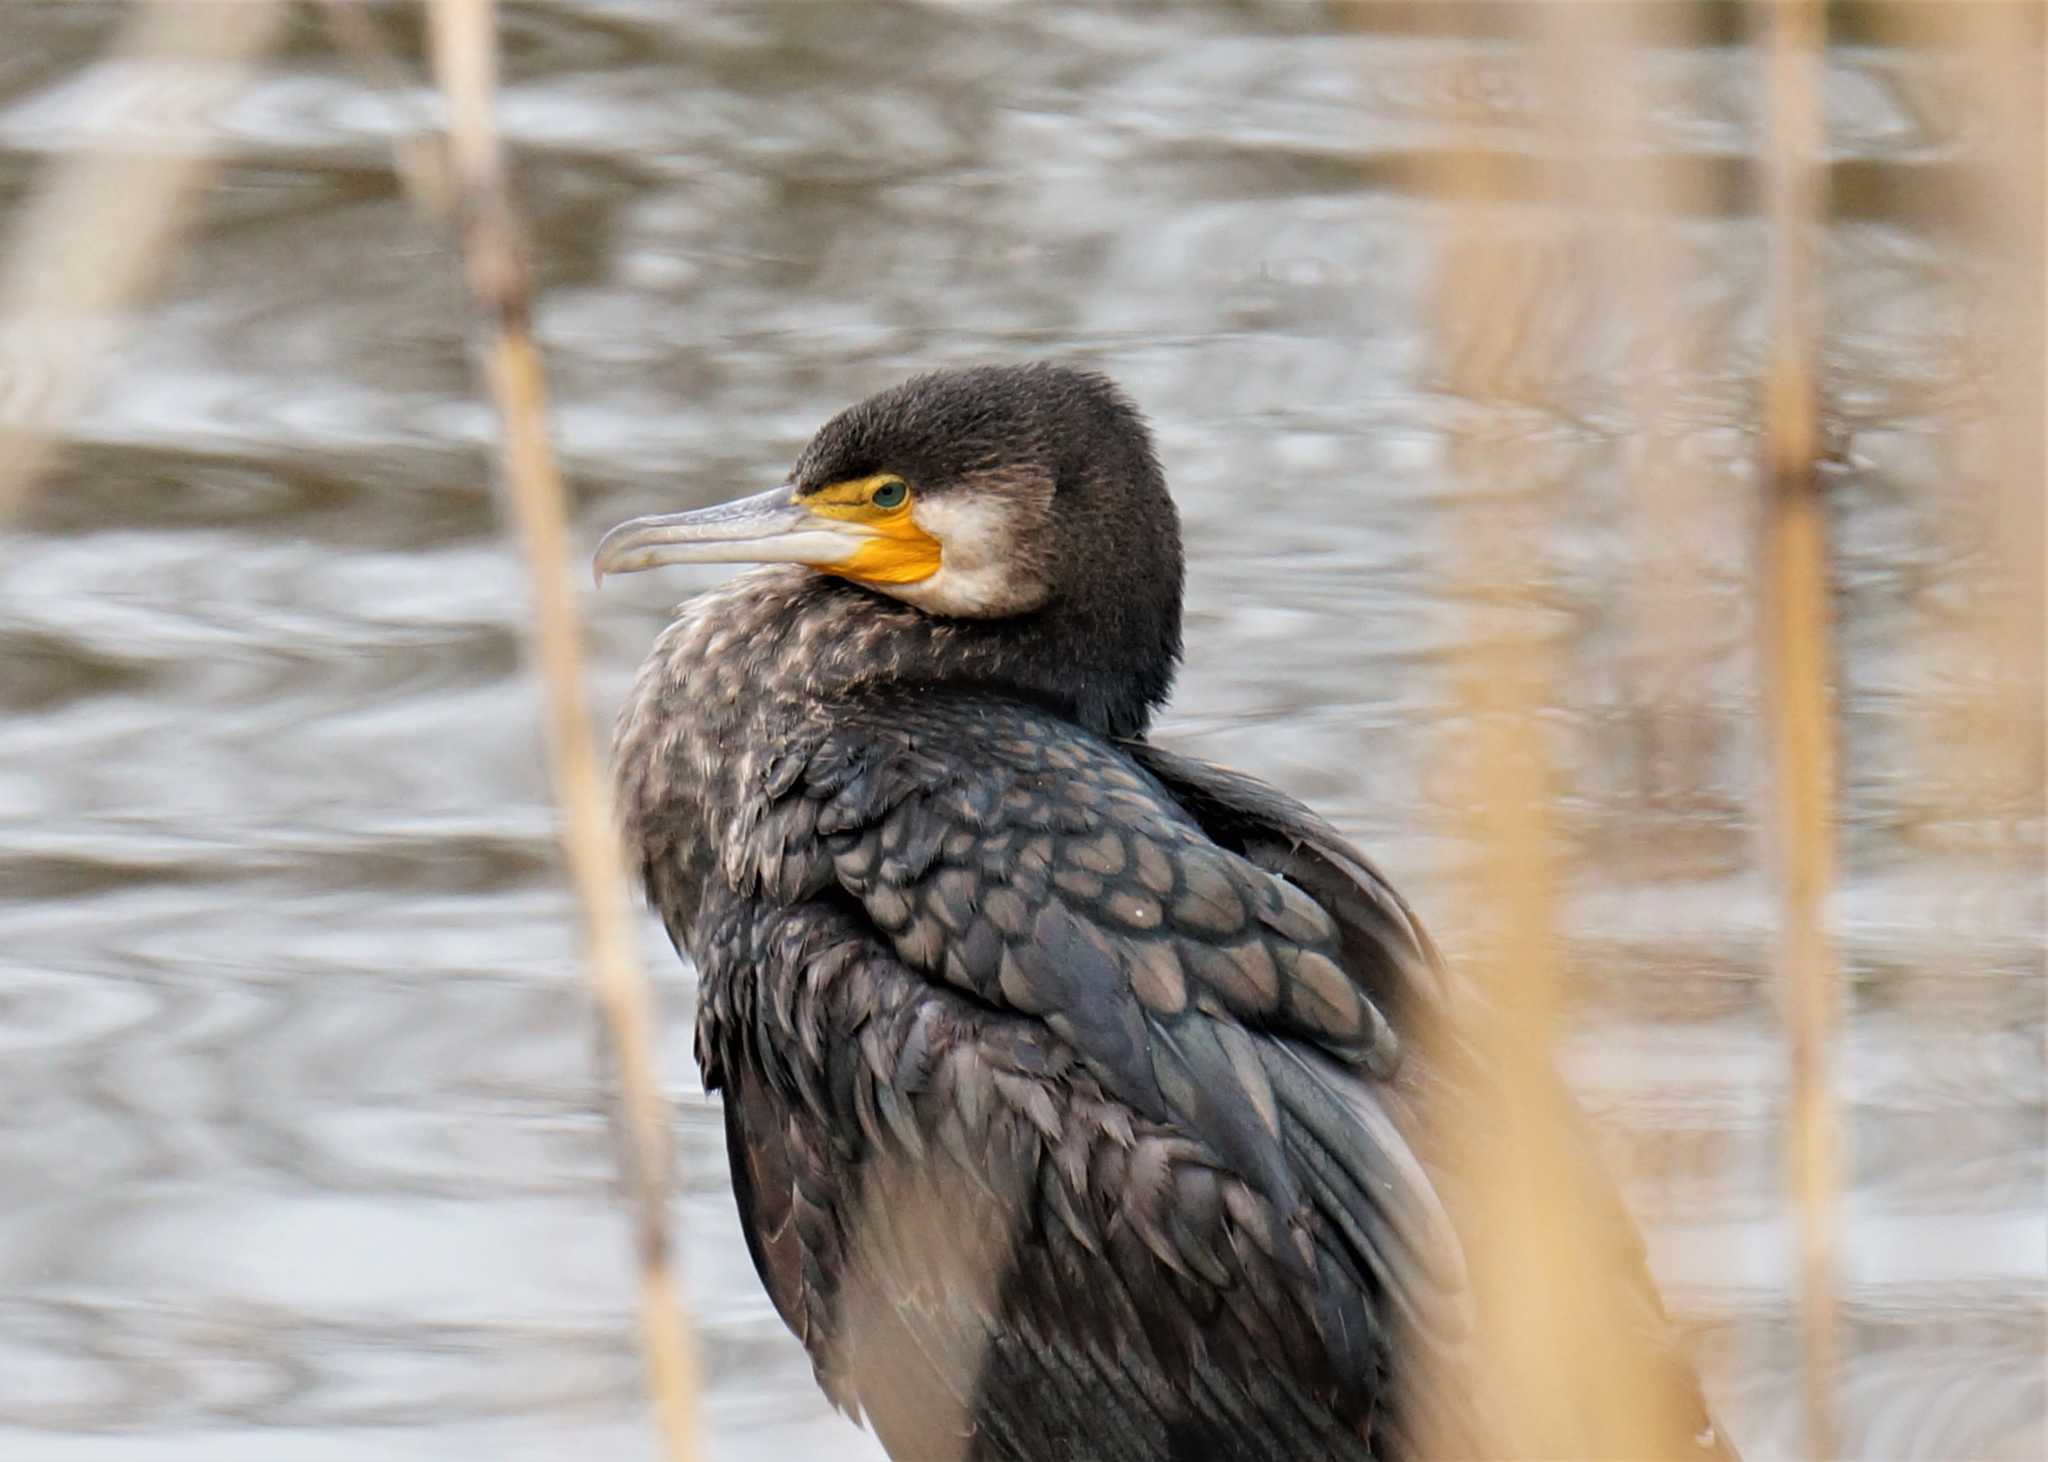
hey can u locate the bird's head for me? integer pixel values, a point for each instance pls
(1018, 510)
(1027, 498)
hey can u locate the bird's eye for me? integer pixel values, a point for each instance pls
(890, 495)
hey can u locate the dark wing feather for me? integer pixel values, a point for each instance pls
(1385, 946)
(788, 1202)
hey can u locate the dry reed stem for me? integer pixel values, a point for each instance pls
(100, 228)
(2008, 217)
(1986, 738)
(420, 159)
(1573, 1377)
(465, 60)
(1798, 670)
(1481, 304)
(1634, 268)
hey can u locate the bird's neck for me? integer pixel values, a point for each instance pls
(794, 636)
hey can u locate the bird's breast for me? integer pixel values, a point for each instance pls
(727, 689)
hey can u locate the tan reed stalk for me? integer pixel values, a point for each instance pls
(1556, 1325)
(99, 229)
(1984, 736)
(1798, 670)
(1632, 269)
(465, 60)
(421, 158)
(1978, 785)
(1674, 508)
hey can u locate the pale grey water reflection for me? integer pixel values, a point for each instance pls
(302, 1159)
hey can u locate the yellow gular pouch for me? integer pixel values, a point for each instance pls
(898, 552)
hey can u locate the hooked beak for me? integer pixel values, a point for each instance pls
(768, 527)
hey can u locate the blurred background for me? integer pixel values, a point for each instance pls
(303, 1156)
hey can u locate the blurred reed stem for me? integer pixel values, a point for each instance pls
(465, 60)
(1798, 662)
(1557, 1312)
(1983, 752)
(102, 224)
(420, 157)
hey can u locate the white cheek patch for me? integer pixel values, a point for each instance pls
(979, 574)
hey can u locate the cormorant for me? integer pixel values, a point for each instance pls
(1067, 1084)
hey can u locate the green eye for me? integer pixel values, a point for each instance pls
(890, 495)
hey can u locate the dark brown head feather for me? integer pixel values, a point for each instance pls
(1104, 646)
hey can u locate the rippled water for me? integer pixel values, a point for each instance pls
(301, 1154)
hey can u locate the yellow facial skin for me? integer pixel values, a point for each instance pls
(900, 552)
